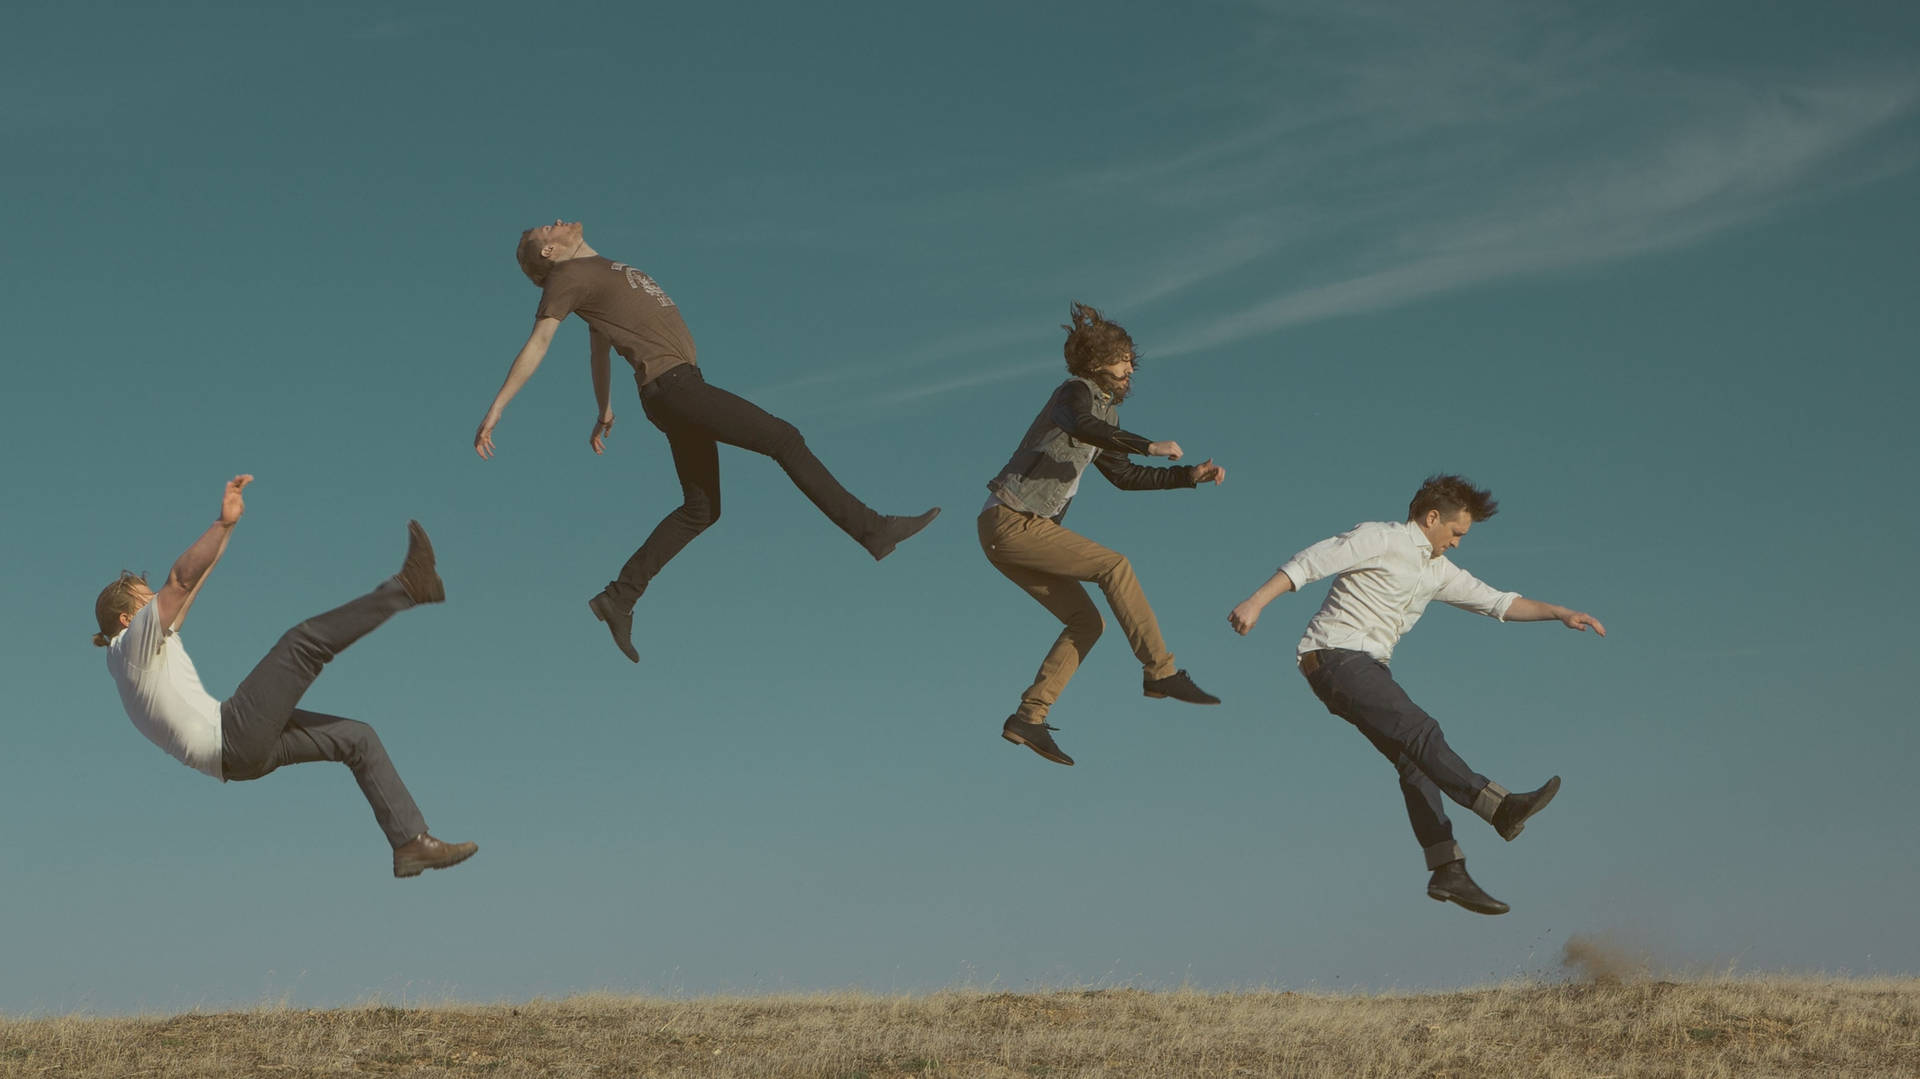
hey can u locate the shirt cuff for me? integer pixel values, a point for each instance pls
(1298, 574)
(1500, 605)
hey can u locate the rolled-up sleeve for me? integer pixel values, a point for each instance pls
(1469, 593)
(1349, 550)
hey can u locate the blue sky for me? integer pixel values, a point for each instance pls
(1647, 273)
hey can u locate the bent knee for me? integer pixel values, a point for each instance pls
(700, 513)
(1087, 626)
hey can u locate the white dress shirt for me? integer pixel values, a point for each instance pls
(1386, 576)
(162, 692)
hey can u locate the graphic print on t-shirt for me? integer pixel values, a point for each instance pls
(639, 280)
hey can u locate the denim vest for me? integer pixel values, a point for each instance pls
(1045, 471)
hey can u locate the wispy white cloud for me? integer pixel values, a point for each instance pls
(1732, 162)
(1351, 156)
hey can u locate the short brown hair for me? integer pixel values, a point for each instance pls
(1450, 494)
(115, 600)
(532, 263)
(1093, 342)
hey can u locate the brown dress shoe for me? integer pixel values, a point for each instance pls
(894, 531)
(1514, 809)
(416, 574)
(1035, 737)
(424, 852)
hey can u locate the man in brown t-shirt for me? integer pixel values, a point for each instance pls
(628, 312)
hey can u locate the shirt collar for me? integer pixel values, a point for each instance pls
(1420, 540)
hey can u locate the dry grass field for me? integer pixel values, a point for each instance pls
(1734, 1027)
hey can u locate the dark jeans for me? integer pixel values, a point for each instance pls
(261, 729)
(695, 417)
(1359, 689)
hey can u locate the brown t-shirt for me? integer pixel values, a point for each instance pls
(627, 306)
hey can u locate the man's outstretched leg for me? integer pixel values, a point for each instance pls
(258, 723)
(1039, 545)
(1359, 689)
(684, 397)
(313, 736)
(696, 460)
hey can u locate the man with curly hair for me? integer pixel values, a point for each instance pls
(1022, 535)
(259, 729)
(1385, 573)
(629, 313)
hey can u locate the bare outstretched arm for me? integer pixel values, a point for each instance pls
(602, 366)
(1243, 617)
(1532, 610)
(525, 363)
(190, 570)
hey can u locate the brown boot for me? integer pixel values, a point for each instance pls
(425, 852)
(1035, 737)
(895, 530)
(416, 573)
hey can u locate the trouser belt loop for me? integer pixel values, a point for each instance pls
(1309, 662)
(1488, 801)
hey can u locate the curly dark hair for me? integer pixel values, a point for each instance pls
(1450, 494)
(1093, 342)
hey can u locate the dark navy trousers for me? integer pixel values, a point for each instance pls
(1359, 689)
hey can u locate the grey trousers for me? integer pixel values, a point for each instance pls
(261, 729)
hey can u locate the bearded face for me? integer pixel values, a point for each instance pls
(1116, 378)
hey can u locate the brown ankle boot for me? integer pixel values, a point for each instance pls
(416, 574)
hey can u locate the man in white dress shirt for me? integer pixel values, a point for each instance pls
(1385, 573)
(259, 729)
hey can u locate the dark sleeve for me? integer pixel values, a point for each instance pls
(1127, 476)
(1072, 412)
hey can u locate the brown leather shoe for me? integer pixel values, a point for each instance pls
(1450, 883)
(894, 531)
(1178, 686)
(1514, 809)
(1035, 737)
(416, 574)
(424, 852)
(619, 623)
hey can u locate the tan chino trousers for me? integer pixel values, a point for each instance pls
(1048, 562)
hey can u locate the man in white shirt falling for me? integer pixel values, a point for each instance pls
(258, 729)
(1385, 574)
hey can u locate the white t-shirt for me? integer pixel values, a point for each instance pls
(162, 694)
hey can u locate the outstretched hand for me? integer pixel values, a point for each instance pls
(601, 429)
(1207, 471)
(1582, 621)
(483, 439)
(232, 503)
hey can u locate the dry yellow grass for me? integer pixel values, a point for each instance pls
(1736, 1027)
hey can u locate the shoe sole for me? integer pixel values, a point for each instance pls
(1439, 895)
(1043, 754)
(1546, 795)
(414, 870)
